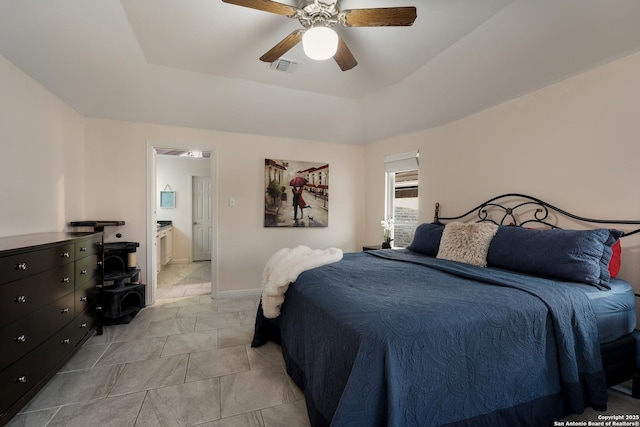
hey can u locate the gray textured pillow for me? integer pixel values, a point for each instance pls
(467, 242)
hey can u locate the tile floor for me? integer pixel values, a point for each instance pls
(185, 361)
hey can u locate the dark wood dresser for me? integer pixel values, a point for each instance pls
(47, 308)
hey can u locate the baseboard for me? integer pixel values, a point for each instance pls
(239, 293)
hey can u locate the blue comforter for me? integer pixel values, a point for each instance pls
(395, 338)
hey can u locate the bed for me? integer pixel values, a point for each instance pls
(428, 336)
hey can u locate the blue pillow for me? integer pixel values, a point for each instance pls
(426, 239)
(572, 255)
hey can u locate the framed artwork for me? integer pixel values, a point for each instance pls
(168, 199)
(296, 193)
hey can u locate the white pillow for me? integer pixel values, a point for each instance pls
(467, 242)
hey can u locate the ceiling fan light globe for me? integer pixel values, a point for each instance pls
(320, 43)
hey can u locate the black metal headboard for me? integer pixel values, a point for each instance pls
(526, 210)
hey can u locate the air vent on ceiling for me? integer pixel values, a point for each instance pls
(283, 64)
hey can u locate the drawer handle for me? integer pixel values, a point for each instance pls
(83, 325)
(66, 341)
(99, 263)
(65, 280)
(83, 271)
(21, 380)
(21, 338)
(83, 299)
(21, 266)
(64, 310)
(98, 308)
(21, 299)
(83, 249)
(64, 254)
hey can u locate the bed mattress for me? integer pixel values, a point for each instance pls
(615, 310)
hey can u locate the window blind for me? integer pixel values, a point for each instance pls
(402, 162)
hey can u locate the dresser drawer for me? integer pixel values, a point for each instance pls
(19, 378)
(21, 297)
(86, 297)
(82, 324)
(16, 267)
(22, 336)
(88, 247)
(87, 269)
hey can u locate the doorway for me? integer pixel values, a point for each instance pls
(177, 168)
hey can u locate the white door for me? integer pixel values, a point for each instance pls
(202, 218)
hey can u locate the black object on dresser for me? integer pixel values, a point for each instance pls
(48, 290)
(122, 297)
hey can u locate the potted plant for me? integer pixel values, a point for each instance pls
(387, 225)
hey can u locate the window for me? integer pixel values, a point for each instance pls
(402, 196)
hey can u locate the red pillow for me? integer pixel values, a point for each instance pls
(614, 264)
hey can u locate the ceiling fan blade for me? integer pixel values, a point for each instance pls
(379, 17)
(283, 47)
(344, 57)
(266, 6)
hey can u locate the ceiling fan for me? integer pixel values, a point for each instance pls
(319, 18)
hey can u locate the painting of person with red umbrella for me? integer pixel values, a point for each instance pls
(298, 201)
(309, 192)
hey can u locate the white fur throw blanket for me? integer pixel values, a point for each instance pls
(283, 268)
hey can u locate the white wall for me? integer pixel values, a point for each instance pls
(41, 165)
(177, 172)
(115, 154)
(575, 144)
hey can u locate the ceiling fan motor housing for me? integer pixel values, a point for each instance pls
(318, 14)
